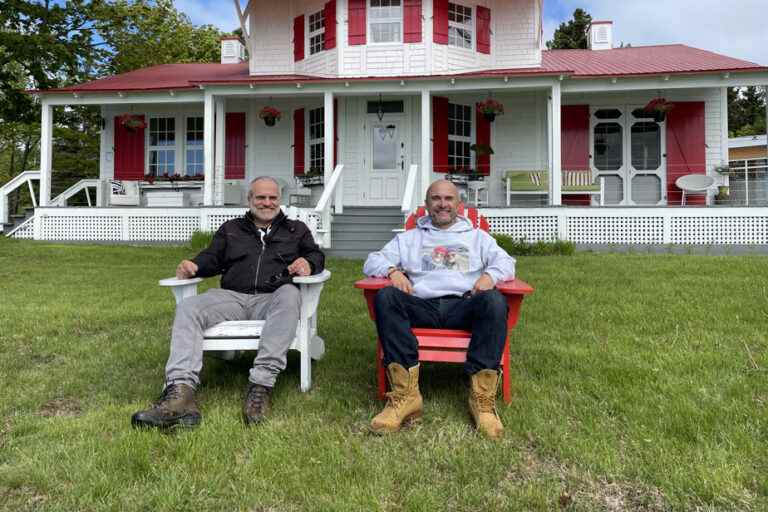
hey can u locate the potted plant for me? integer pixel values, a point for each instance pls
(659, 107)
(270, 115)
(312, 177)
(490, 108)
(131, 122)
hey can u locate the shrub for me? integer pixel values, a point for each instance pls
(200, 240)
(521, 247)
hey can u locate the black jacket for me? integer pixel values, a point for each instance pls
(247, 266)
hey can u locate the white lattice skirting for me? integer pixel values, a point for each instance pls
(139, 225)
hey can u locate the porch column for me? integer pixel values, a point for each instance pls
(218, 180)
(328, 144)
(555, 174)
(208, 125)
(46, 153)
(426, 144)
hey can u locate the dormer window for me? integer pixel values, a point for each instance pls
(386, 21)
(460, 26)
(316, 32)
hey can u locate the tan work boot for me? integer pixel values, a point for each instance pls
(403, 402)
(482, 403)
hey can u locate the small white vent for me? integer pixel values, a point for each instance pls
(600, 35)
(232, 51)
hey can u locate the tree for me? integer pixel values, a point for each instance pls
(746, 111)
(572, 35)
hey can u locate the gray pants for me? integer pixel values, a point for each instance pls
(279, 310)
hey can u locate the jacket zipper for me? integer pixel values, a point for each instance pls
(258, 263)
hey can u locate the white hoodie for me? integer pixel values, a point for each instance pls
(442, 261)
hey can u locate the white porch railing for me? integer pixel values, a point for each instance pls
(409, 195)
(333, 189)
(25, 177)
(61, 199)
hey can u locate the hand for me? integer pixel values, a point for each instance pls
(483, 283)
(186, 269)
(401, 282)
(300, 267)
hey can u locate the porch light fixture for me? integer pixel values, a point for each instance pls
(380, 109)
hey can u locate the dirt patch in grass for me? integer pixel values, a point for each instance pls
(5, 432)
(23, 498)
(622, 495)
(61, 407)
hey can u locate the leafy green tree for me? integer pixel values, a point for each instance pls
(746, 111)
(573, 34)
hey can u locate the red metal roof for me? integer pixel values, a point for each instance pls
(632, 61)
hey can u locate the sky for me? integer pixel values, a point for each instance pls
(738, 28)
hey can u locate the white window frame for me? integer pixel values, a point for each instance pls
(461, 138)
(316, 32)
(187, 146)
(388, 20)
(319, 142)
(469, 27)
(165, 148)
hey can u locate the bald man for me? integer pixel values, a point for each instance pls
(443, 275)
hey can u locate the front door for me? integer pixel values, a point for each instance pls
(386, 159)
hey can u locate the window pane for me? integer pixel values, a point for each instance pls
(384, 147)
(646, 146)
(608, 146)
(614, 189)
(646, 189)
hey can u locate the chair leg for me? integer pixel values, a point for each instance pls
(381, 375)
(305, 372)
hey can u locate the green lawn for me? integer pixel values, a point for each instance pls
(640, 384)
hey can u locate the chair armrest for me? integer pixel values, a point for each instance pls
(313, 279)
(514, 287)
(373, 283)
(181, 288)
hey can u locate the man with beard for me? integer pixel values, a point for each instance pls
(256, 256)
(425, 295)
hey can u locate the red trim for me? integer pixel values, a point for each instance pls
(329, 15)
(356, 24)
(234, 146)
(298, 38)
(574, 146)
(483, 132)
(129, 152)
(298, 142)
(439, 134)
(686, 147)
(412, 21)
(440, 22)
(483, 29)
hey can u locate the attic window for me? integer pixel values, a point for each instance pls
(460, 26)
(386, 21)
(316, 32)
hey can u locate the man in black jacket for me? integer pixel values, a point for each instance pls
(256, 256)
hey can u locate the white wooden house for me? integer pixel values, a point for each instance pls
(380, 97)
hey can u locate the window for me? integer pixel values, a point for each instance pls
(316, 32)
(460, 26)
(459, 136)
(386, 21)
(194, 140)
(162, 146)
(316, 139)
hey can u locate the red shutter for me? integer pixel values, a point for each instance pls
(329, 18)
(356, 22)
(574, 146)
(412, 21)
(439, 134)
(234, 146)
(686, 148)
(440, 22)
(483, 132)
(298, 141)
(298, 38)
(129, 152)
(335, 132)
(483, 29)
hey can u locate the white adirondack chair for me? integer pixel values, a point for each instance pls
(230, 337)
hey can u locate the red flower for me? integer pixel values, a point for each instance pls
(270, 113)
(490, 106)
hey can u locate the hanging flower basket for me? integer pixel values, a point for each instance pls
(132, 122)
(659, 107)
(490, 108)
(270, 115)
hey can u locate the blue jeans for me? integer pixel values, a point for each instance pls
(485, 314)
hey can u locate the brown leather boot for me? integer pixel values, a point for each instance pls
(403, 402)
(175, 407)
(482, 403)
(256, 405)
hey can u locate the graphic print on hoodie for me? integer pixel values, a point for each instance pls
(444, 257)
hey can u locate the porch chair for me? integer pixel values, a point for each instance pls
(124, 193)
(229, 338)
(449, 345)
(526, 183)
(694, 184)
(581, 182)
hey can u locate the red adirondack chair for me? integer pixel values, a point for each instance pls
(449, 345)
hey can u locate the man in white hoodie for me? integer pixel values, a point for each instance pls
(443, 275)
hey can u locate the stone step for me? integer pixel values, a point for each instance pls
(369, 239)
(365, 228)
(367, 220)
(356, 245)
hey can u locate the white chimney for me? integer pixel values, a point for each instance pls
(232, 50)
(600, 35)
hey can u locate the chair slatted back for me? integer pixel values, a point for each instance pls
(478, 221)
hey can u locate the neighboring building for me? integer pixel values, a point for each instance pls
(748, 170)
(390, 89)
(747, 148)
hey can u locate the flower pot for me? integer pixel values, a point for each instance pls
(489, 116)
(269, 121)
(659, 117)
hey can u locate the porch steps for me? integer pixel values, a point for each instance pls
(16, 220)
(362, 230)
